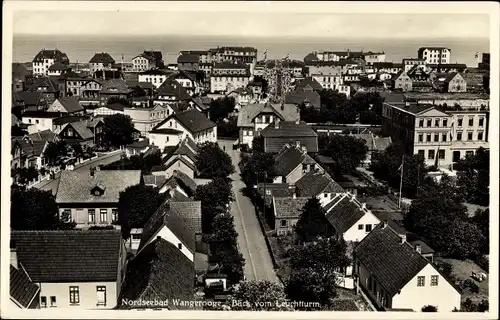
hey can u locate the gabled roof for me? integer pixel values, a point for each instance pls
(287, 112)
(188, 58)
(115, 86)
(193, 120)
(171, 87)
(44, 135)
(392, 263)
(154, 179)
(190, 211)
(46, 82)
(76, 186)
(373, 142)
(344, 211)
(316, 182)
(182, 180)
(19, 70)
(289, 207)
(160, 272)
(69, 256)
(58, 66)
(70, 104)
(102, 57)
(168, 216)
(279, 190)
(173, 160)
(22, 289)
(32, 148)
(55, 54)
(29, 98)
(309, 81)
(81, 128)
(289, 158)
(185, 149)
(310, 57)
(298, 97)
(288, 129)
(451, 76)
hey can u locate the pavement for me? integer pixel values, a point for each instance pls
(52, 185)
(251, 242)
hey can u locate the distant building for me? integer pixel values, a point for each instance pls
(47, 87)
(434, 55)
(188, 62)
(203, 55)
(147, 60)
(145, 119)
(409, 63)
(401, 81)
(279, 133)
(373, 57)
(245, 55)
(485, 62)
(155, 77)
(45, 59)
(455, 83)
(101, 61)
(226, 77)
(67, 105)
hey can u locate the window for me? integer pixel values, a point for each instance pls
(360, 226)
(460, 122)
(441, 154)
(436, 137)
(436, 122)
(471, 122)
(420, 137)
(179, 245)
(43, 302)
(114, 215)
(479, 136)
(431, 154)
(91, 215)
(469, 135)
(481, 122)
(74, 295)
(428, 137)
(103, 216)
(443, 137)
(53, 301)
(368, 227)
(459, 136)
(101, 295)
(420, 281)
(283, 223)
(434, 280)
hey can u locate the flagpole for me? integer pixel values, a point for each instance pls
(401, 182)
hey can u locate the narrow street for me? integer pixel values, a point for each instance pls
(258, 263)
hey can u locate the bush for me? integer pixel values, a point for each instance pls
(483, 262)
(474, 288)
(429, 308)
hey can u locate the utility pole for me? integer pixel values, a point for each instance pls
(401, 181)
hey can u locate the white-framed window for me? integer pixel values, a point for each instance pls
(91, 215)
(43, 302)
(74, 295)
(103, 215)
(360, 226)
(101, 295)
(420, 281)
(434, 280)
(53, 302)
(179, 245)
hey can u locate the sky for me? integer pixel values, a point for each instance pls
(257, 24)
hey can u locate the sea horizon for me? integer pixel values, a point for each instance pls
(80, 48)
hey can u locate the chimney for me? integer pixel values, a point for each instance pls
(402, 239)
(158, 238)
(297, 144)
(304, 150)
(363, 206)
(407, 103)
(297, 121)
(282, 107)
(294, 196)
(418, 248)
(13, 254)
(384, 224)
(276, 124)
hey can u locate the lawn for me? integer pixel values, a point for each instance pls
(462, 271)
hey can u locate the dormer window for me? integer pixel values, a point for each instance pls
(98, 190)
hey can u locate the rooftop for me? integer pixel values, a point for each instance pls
(316, 182)
(288, 129)
(289, 207)
(344, 211)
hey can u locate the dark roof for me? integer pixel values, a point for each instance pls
(309, 81)
(33, 148)
(392, 263)
(30, 98)
(193, 120)
(171, 87)
(276, 190)
(69, 256)
(76, 186)
(188, 58)
(19, 70)
(68, 119)
(230, 65)
(450, 77)
(289, 207)
(44, 135)
(288, 129)
(165, 131)
(139, 144)
(70, 104)
(422, 49)
(310, 57)
(156, 54)
(41, 114)
(168, 216)
(115, 86)
(298, 97)
(116, 106)
(190, 211)
(383, 65)
(289, 158)
(160, 272)
(414, 108)
(22, 290)
(315, 182)
(45, 82)
(102, 57)
(449, 66)
(51, 54)
(58, 66)
(343, 212)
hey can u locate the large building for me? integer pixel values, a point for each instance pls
(45, 59)
(101, 61)
(226, 77)
(435, 55)
(440, 135)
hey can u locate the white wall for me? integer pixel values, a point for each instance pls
(156, 80)
(169, 236)
(88, 294)
(104, 111)
(162, 140)
(354, 234)
(37, 124)
(443, 296)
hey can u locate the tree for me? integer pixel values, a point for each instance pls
(77, 150)
(257, 167)
(118, 130)
(258, 144)
(215, 197)
(265, 84)
(312, 285)
(212, 162)
(312, 222)
(228, 129)
(369, 107)
(136, 205)
(324, 254)
(150, 160)
(220, 108)
(55, 151)
(464, 240)
(346, 151)
(482, 220)
(261, 295)
(35, 209)
(429, 308)
(474, 177)
(224, 232)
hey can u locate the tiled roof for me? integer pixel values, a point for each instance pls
(154, 179)
(33, 148)
(374, 142)
(287, 112)
(165, 131)
(289, 158)
(69, 256)
(67, 119)
(190, 211)
(81, 128)
(58, 67)
(188, 58)
(198, 102)
(76, 186)
(29, 98)
(116, 106)
(315, 182)
(19, 70)
(70, 104)
(167, 215)
(173, 160)
(297, 97)
(288, 129)
(160, 272)
(311, 57)
(115, 86)
(102, 57)
(193, 120)
(51, 54)
(309, 81)
(22, 289)
(45, 82)
(172, 88)
(289, 207)
(392, 263)
(237, 49)
(185, 181)
(139, 144)
(384, 65)
(343, 212)
(44, 135)
(184, 148)
(276, 190)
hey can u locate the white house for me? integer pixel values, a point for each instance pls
(317, 183)
(155, 77)
(110, 109)
(396, 276)
(190, 123)
(39, 120)
(45, 59)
